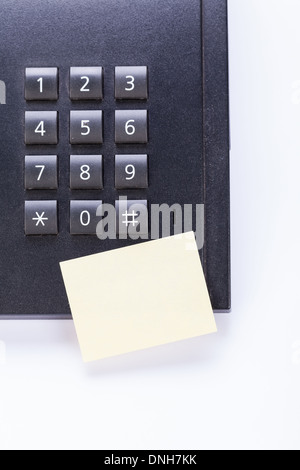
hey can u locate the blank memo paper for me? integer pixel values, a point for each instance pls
(138, 297)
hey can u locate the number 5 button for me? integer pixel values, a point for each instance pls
(86, 127)
(131, 127)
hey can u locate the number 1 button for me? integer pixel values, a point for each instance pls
(41, 84)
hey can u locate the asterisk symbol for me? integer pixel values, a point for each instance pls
(40, 219)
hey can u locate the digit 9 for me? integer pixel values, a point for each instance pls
(130, 171)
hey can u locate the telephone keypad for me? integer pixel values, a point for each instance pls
(85, 127)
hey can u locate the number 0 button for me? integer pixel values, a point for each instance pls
(131, 127)
(83, 217)
(41, 127)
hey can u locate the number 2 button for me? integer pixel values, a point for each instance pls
(86, 83)
(86, 127)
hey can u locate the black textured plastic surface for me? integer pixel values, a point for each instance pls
(184, 45)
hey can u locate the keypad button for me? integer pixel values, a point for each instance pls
(41, 172)
(86, 83)
(131, 83)
(41, 127)
(132, 219)
(86, 172)
(86, 127)
(131, 171)
(41, 84)
(131, 126)
(83, 217)
(41, 218)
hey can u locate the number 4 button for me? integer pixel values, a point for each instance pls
(41, 127)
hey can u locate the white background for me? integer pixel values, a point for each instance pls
(238, 389)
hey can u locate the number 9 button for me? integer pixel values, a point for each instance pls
(131, 171)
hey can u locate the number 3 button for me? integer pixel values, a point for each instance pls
(131, 83)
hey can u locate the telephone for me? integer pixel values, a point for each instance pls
(110, 105)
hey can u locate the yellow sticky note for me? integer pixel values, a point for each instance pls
(138, 297)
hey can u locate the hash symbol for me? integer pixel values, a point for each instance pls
(131, 216)
(40, 219)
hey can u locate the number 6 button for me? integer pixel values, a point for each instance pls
(131, 127)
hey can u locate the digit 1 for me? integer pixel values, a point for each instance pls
(40, 81)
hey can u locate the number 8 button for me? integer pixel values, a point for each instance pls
(86, 172)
